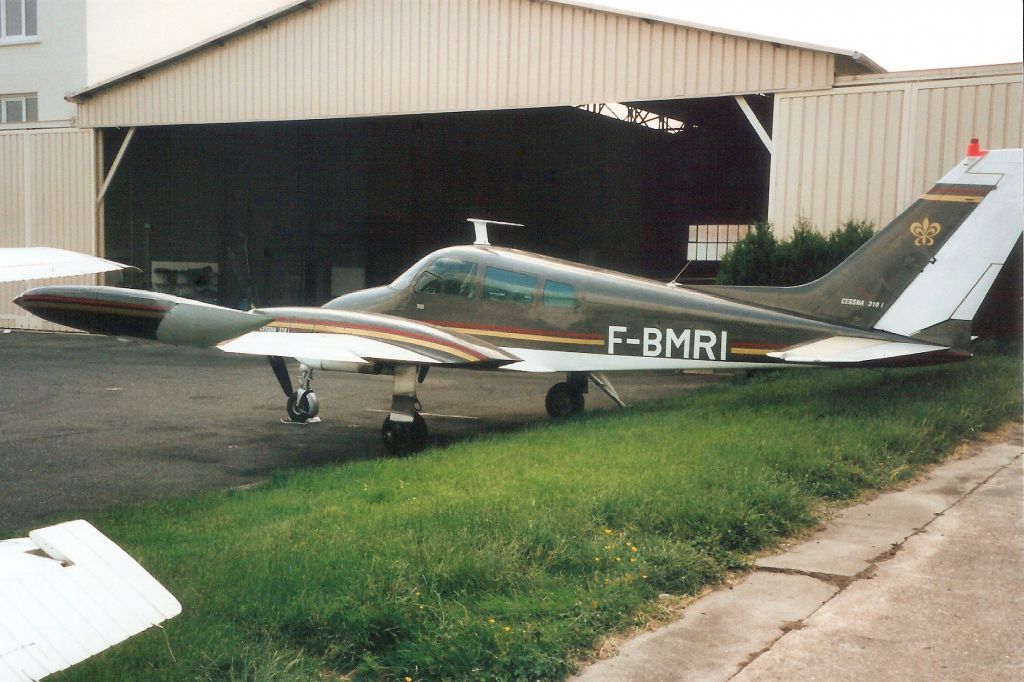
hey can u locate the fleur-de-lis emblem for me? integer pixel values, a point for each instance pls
(925, 232)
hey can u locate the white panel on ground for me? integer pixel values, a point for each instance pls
(67, 592)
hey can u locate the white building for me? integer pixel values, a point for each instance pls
(42, 58)
(49, 48)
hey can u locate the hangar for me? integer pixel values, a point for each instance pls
(326, 145)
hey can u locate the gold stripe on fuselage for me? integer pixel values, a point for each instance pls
(957, 198)
(750, 351)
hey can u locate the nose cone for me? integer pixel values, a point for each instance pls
(377, 299)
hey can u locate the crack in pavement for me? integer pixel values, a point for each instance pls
(842, 582)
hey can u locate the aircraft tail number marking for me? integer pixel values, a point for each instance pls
(687, 344)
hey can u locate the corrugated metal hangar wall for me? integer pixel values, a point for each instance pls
(868, 146)
(48, 190)
(332, 142)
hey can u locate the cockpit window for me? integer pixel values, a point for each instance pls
(559, 295)
(507, 285)
(448, 276)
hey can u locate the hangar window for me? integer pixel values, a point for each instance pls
(711, 242)
(507, 285)
(559, 295)
(17, 19)
(449, 276)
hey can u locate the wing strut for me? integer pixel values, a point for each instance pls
(601, 381)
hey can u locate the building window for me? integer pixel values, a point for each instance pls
(19, 108)
(711, 242)
(18, 19)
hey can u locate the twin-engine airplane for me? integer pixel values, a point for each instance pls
(907, 297)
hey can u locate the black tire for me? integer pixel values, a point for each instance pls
(401, 438)
(302, 405)
(564, 401)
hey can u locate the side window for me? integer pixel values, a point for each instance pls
(17, 19)
(507, 285)
(448, 276)
(559, 295)
(19, 108)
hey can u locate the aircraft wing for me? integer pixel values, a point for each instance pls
(18, 264)
(320, 336)
(67, 592)
(853, 351)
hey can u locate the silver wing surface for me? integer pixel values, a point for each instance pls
(330, 339)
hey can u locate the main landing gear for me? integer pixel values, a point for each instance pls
(565, 399)
(404, 429)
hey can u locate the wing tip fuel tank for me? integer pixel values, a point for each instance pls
(140, 314)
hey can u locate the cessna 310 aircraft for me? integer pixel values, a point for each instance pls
(907, 297)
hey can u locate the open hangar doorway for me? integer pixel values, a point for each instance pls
(296, 212)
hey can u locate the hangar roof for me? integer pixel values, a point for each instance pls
(336, 58)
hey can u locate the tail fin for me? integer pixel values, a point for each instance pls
(927, 272)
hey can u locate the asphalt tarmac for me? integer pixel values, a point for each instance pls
(87, 422)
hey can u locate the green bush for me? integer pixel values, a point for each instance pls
(759, 259)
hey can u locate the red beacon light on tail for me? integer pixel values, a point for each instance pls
(974, 148)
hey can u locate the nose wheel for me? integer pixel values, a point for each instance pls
(302, 405)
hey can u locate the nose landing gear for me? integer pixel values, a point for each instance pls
(302, 402)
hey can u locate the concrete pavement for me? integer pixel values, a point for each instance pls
(925, 583)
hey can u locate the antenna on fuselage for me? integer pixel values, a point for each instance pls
(480, 226)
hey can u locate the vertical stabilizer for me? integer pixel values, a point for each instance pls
(927, 272)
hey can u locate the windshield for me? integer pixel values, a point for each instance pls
(448, 276)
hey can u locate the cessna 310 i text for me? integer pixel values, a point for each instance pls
(907, 297)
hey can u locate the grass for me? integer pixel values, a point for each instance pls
(511, 556)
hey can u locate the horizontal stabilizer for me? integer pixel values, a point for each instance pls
(38, 262)
(857, 351)
(67, 592)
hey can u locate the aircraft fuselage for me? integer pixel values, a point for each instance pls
(562, 316)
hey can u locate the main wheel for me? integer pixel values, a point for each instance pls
(404, 437)
(563, 401)
(302, 405)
